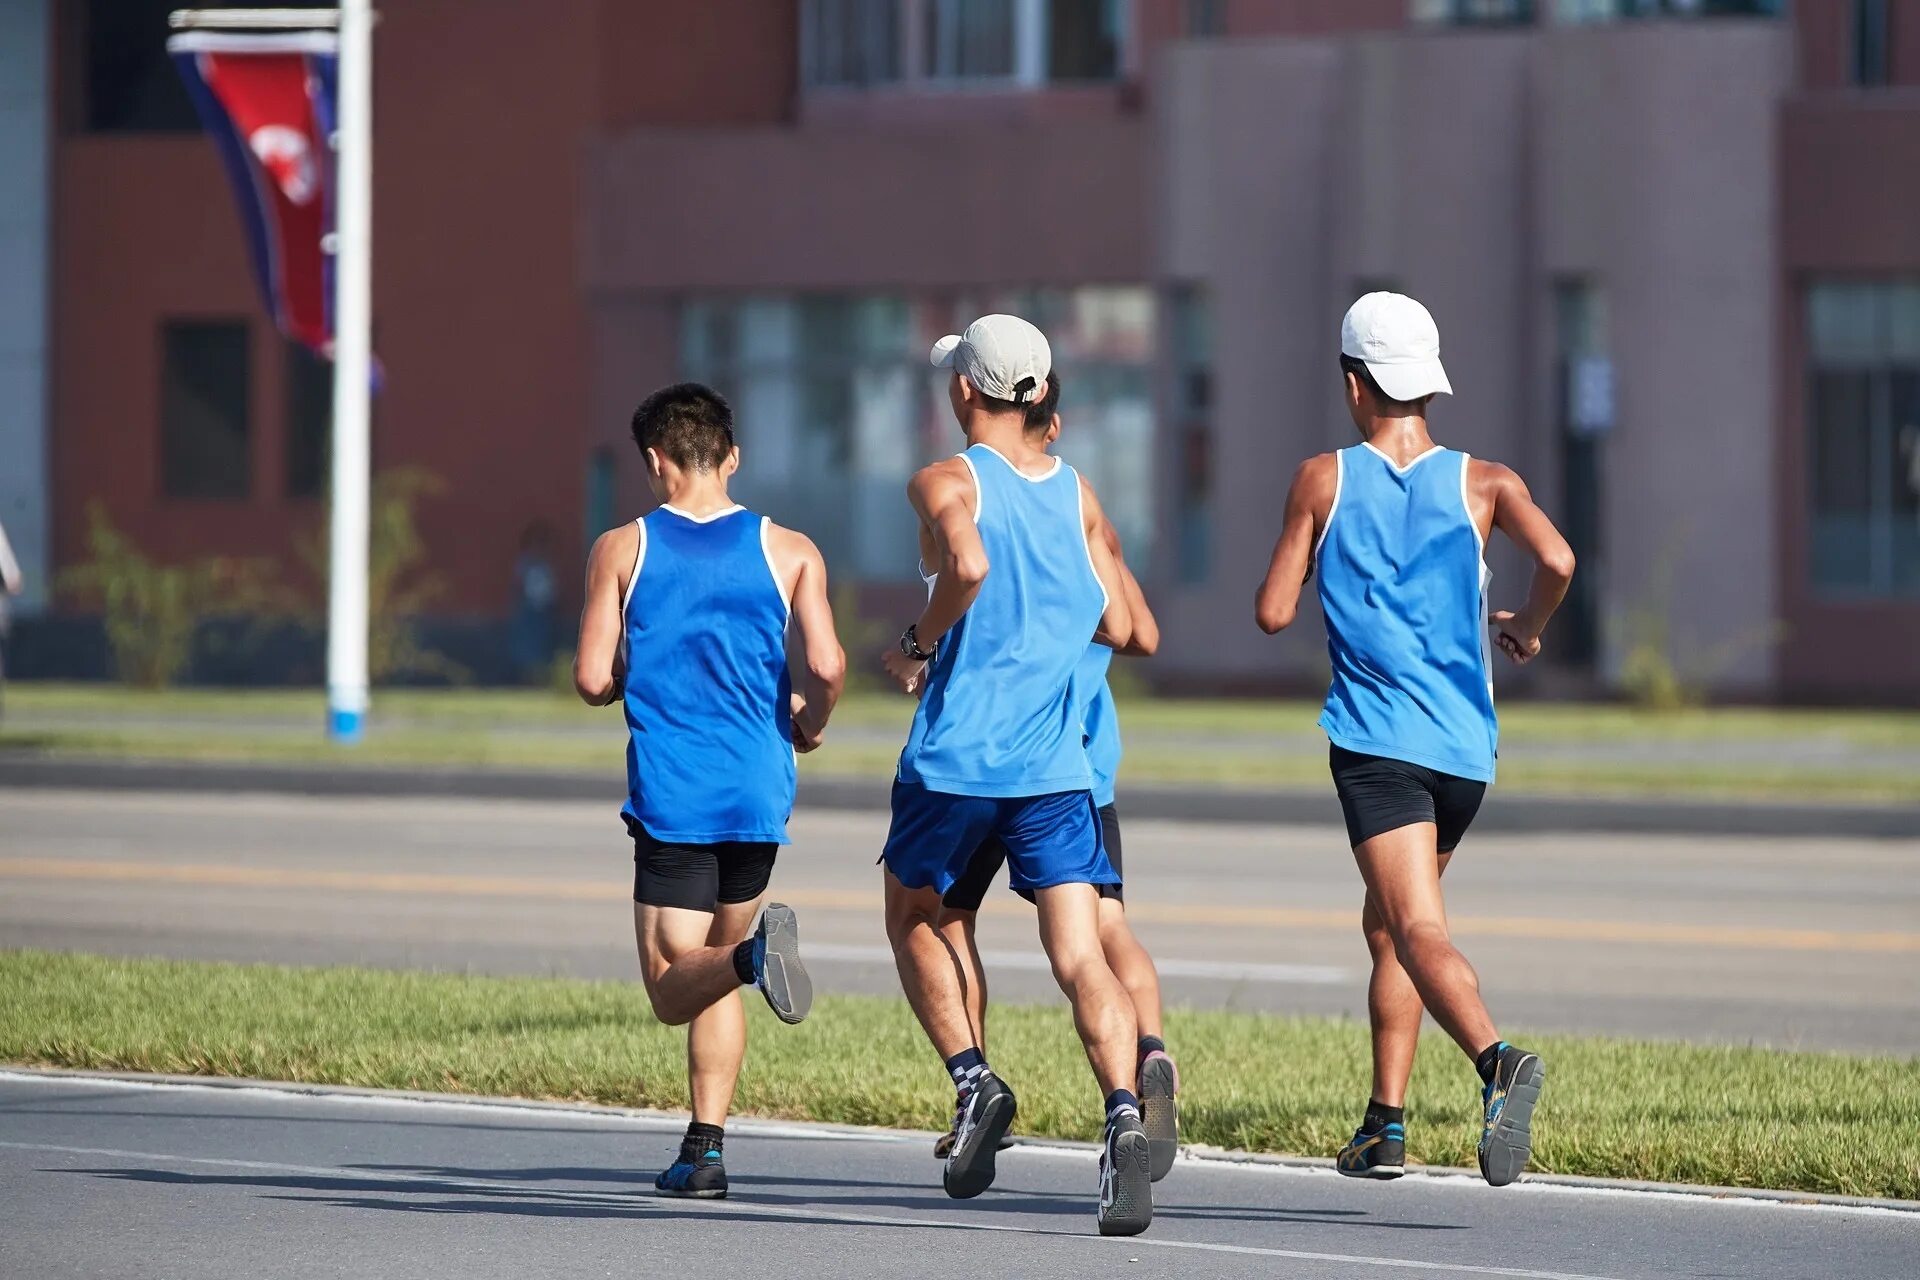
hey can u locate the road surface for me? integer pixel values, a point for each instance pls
(1791, 941)
(100, 1179)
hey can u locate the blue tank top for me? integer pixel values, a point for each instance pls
(1100, 721)
(999, 716)
(709, 743)
(1403, 586)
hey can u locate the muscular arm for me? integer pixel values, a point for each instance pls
(1516, 515)
(817, 663)
(595, 657)
(939, 497)
(1116, 624)
(1278, 599)
(1146, 629)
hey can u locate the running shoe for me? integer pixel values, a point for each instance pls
(777, 970)
(1159, 1112)
(1506, 1136)
(943, 1145)
(1126, 1177)
(979, 1122)
(1381, 1154)
(697, 1174)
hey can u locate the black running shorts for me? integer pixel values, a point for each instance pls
(970, 890)
(1379, 795)
(698, 877)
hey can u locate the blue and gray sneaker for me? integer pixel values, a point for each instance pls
(697, 1174)
(777, 970)
(1506, 1134)
(1381, 1154)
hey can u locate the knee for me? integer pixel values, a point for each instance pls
(665, 1011)
(1071, 969)
(904, 917)
(1417, 937)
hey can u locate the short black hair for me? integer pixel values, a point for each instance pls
(690, 423)
(994, 404)
(1358, 368)
(1040, 412)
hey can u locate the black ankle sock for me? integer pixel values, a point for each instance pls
(1152, 1044)
(1488, 1059)
(743, 963)
(1121, 1100)
(702, 1138)
(1380, 1115)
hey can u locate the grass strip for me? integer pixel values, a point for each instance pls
(1613, 1108)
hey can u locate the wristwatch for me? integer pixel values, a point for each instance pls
(910, 646)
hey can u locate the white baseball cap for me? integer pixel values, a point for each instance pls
(1002, 356)
(1399, 343)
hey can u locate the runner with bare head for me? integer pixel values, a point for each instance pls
(1397, 528)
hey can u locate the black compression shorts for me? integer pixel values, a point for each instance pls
(970, 890)
(1379, 795)
(698, 877)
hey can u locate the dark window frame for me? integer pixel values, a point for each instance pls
(194, 394)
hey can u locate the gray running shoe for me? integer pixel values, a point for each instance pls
(777, 970)
(1506, 1134)
(1126, 1177)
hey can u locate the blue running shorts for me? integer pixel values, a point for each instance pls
(1050, 840)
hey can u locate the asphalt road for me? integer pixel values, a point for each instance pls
(1786, 941)
(114, 1180)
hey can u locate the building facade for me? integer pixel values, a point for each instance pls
(1668, 243)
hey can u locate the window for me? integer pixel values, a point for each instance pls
(1864, 452)
(836, 406)
(1470, 13)
(1585, 409)
(1206, 18)
(203, 409)
(1871, 19)
(1573, 12)
(309, 415)
(931, 43)
(602, 492)
(127, 80)
(1190, 326)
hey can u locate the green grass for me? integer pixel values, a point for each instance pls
(1823, 755)
(1613, 1108)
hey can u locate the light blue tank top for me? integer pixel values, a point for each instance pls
(710, 748)
(999, 716)
(1099, 719)
(1403, 586)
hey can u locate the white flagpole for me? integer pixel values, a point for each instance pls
(352, 378)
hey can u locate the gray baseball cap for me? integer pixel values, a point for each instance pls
(1002, 356)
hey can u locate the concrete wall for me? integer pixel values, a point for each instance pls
(1474, 170)
(26, 130)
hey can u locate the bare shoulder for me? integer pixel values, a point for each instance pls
(944, 479)
(790, 547)
(1489, 479)
(617, 546)
(1314, 482)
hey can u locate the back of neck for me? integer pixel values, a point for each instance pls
(1009, 439)
(700, 496)
(1400, 439)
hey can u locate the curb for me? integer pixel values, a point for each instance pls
(1199, 1153)
(1516, 813)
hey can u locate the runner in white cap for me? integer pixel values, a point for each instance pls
(1398, 527)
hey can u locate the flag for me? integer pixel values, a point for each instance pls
(267, 101)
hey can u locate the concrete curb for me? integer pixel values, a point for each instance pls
(1206, 1154)
(1505, 811)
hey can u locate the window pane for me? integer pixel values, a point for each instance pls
(852, 42)
(1842, 480)
(1844, 323)
(203, 409)
(1206, 18)
(1903, 481)
(1870, 42)
(1190, 322)
(309, 387)
(969, 39)
(1084, 40)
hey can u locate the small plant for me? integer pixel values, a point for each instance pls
(1651, 674)
(399, 586)
(151, 611)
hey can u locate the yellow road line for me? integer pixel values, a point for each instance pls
(1542, 928)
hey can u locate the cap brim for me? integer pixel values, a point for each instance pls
(1412, 381)
(942, 353)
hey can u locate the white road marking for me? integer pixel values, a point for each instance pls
(826, 1214)
(1315, 975)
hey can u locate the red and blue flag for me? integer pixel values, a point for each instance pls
(267, 101)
